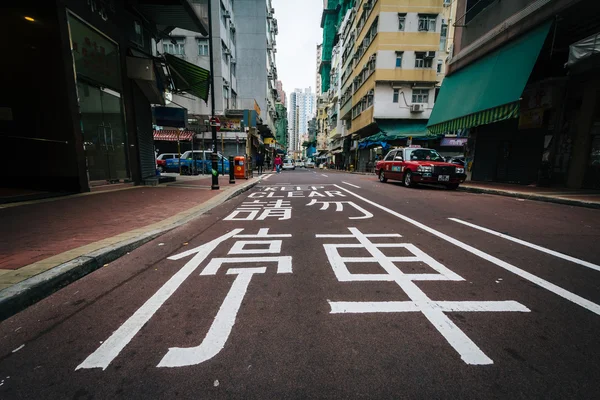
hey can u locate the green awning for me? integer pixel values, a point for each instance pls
(489, 89)
(188, 77)
(396, 129)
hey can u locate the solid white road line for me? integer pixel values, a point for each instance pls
(530, 245)
(111, 348)
(593, 307)
(359, 307)
(325, 176)
(358, 187)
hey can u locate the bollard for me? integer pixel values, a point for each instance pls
(231, 170)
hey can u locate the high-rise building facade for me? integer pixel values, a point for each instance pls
(256, 62)
(302, 109)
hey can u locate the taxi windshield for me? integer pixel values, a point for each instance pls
(425, 155)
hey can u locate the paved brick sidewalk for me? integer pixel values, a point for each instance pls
(40, 235)
(586, 198)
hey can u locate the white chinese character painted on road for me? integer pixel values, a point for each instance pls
(219, 331)
(339, 206)
(251, 210)
(433, 310)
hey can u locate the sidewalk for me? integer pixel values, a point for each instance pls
(60, 239)
(575, 197)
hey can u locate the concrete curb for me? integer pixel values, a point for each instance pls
(28, 292)
(528, 196)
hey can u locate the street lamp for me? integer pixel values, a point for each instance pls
(213, 127)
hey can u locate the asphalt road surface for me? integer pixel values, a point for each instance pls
(317, 284)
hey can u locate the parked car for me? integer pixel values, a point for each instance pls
(288, 163)
(197, 161)
(309, 164)
(299, 163)
(419, 165)
(161, 160)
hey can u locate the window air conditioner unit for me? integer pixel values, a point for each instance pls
(417, 108)
(226, 14)
(233, 61)
(232, 27)
(227, 52)
(269, 47)
(269, 16)
(430, 54)
(272, 10)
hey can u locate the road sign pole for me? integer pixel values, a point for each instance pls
(213, 127)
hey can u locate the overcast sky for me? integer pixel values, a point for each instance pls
(299, 33)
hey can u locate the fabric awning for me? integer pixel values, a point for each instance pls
(173, 135)
(489, 89)
(188, 77)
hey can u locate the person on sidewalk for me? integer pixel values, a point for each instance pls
(260, 162)
(278, 162)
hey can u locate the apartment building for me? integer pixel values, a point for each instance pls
(194, 48)
(393, 60)
(256, 58)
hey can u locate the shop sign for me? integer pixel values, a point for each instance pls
(531, 119)
(231, 125)
(102, 8)
(96, 57)
(170, 116)
(453, 142)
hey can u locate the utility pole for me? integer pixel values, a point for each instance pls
(213, 128)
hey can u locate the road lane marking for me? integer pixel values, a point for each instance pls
(325, 176)
(530, 245)
(358, 187)
(111, 348)
(572, 297)
(359, 307)
(460, 342)
(266, 176)
(220, 329)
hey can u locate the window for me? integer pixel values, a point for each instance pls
(439, 66)
(399, 55)
(138, 34)
(427, 22)
(390, 156)
(223, 15)
(396, 95)
(420, 96)
(232, 67)
(422, 60)
(225, 52)
(202, 47)
(233, 99)
(447, 2)
(176, 46)
(225, 92)
(443, 37)
(401, 21)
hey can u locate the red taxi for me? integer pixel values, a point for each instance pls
(418, 165)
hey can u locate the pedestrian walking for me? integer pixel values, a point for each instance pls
(278, 162)
(260, 162)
